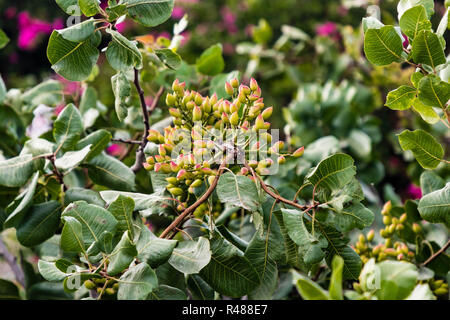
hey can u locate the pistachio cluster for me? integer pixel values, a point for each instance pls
(439, 287)
(108, 287)
(397, 250)
(207, 129)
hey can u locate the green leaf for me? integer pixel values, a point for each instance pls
(427, 49)
(352, 216)
(371, 23)
(122, 209)
(122, 255)
(110, 172)
(122, 90)
(78, 32)
(310, 290)
(435, 206)
(149, 13)
(444, 24)
(4, 39)
(332, 173)
(164, 292)
(427, 113)
(2, 89)
(142, 201)
(89, 7)
(229, 272)
(116, 11)
(8, 291)
(137, 283)
(152, 249)
(238, 191)
(191, 256)
(414, 20)
(72, 60)
(90, 196)
(211, 62)
(397, 280)
(170, 58)
(427, 151)
(421, 292)
(68, 128)
(404, 5)
(98, 139)
(16, 171)
(72, 159)
(416, 77)
(199, 289)
(335, 289)
(26, 200)
(88, 100)
(401, 98)
(69, 6)
(50, 271)
(49, 92)
(434, 92)
(72, 235)
(122, 54)
(359, 143)
(258, 255)
(94, 220)
(383, 46)
(430, 181)
(309, 247)
(40, 223)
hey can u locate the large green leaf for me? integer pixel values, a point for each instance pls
(90, 196)
(72, 159)
(122, 54)
(122, 90)
(89, 7)
(229, 272)
(21, 204)
(191, 256)
(434, 92)
(414, 20)
(199, 289)
(78, 32)
(170, 58)
(427, 113)
(98, 139)
(430, 181)
(137, 283)
(211, 61)
(50, 271)
(152, 249)
(427, 151)
(164, 292)
(141, 201)
(310, 290)
(397, 280)
(110, 172)
(39, 224)
(333, 172)
(238, 191)
(68, 127)
(354, 215)
(401, 98)
(435, 206)
(427, 49)
(72, 235)
(8, 290)
(122, 209)
(404, 5)
(94, 219)
(16, 171)
(49, 92)
(335, 289)
(72, 60)
(122, 255)
(149, 13)
(383, 46)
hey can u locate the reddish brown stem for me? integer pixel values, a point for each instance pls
(434, 256)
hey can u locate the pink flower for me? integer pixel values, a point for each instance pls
(327, 29)
(228, 48)
(10, 12)
(229, 20)
(178, 13)
(115, 150)
(186, 37)
(414, 191)
(70, 88)
(405, 41)
(30, 29)
(58, 109)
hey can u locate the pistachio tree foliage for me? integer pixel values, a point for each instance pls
(204, 170)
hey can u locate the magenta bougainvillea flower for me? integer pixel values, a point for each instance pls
(115, 150)
(70, 87)
(30, 29)
(414, 191)
(178, 13)
(229, 20)
(327, 29)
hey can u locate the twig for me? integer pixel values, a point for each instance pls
(58, 174)
(434, 256)
(126, 141)
(194, 206)
(140, 156)
(12, 262)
